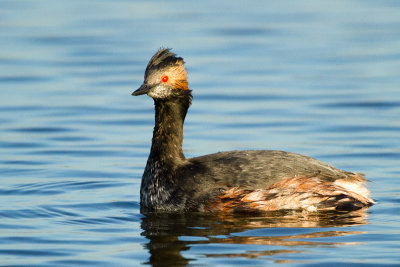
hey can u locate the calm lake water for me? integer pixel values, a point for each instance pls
(312, 77)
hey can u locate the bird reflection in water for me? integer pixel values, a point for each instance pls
(171, 234)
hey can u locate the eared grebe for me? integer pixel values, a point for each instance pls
(234, 181)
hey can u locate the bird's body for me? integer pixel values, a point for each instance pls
(234, 181)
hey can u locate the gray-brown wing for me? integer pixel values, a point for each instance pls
(258, 168)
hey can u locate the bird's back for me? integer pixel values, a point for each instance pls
(267, 180)
(259, 168)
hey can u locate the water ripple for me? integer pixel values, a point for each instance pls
(21, 145)
(35, 252)
(42, 130)
(23, 79)
(363, 105)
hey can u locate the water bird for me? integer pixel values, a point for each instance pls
(233, 181)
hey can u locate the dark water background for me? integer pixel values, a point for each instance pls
(312, 77)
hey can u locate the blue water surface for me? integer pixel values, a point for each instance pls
(313, 77)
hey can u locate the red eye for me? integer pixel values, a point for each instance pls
(164, 79)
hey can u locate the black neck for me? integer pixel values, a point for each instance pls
(167, 140)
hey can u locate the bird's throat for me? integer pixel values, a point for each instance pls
(167, 140)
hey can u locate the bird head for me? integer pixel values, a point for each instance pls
(164, 77)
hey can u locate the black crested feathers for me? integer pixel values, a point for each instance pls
(164, 57)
